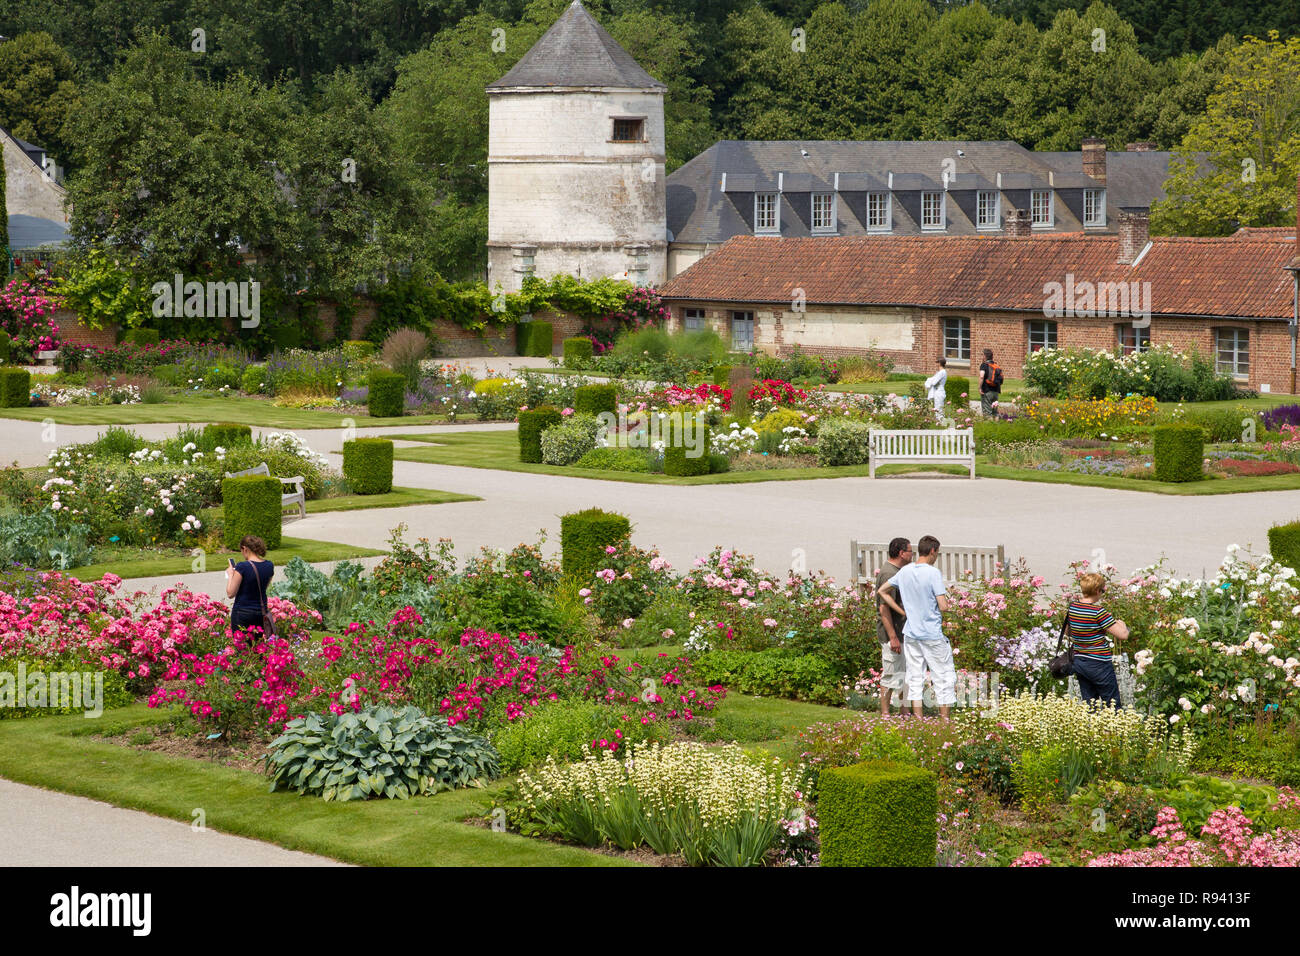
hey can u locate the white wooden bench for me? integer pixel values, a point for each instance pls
(953, 563)
(923, 446)
(296, 498)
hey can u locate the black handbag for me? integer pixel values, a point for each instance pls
(1062, 665)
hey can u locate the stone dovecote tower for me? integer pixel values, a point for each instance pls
(576, 162)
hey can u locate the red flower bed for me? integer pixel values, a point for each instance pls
(778, 392)
(1245, 467)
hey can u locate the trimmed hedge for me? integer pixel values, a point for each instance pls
(953, 388)
(6, 347)
(1284, 544)
(577, 352)
(721, 375)
(227, 435)
(584, 536)
(387, 397)
(677, 461)
(532, 423)
(15, 387)
(1179, 452)
(251, 505)
(368, 465)
(594, 399)
(141, 337)
(534, 338)
(878, 813)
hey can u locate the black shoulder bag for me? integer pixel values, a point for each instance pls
(1062, 665)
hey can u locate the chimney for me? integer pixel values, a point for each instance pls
(1146, 146)
(1134, 233)
(1094, 159)
(1019, 223)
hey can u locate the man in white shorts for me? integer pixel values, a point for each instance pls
(921, 590)
(889, 629)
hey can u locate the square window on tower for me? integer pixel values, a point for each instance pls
(629, 130)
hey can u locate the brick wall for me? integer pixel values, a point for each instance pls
(1007, 334)
(71, 330)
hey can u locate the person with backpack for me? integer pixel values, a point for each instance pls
(990, 384)
(1087, 623)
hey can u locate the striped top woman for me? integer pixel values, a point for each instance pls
(1088, 624)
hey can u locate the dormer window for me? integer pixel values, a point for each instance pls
(1094, 207)
(823, 212)
(1041, 205)
(629, 129)
(988, 214)
(767, 218)
(878, 213)
(932, 210)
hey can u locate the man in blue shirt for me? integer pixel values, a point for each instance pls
(921, 590)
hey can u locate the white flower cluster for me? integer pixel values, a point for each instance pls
(697, 641)
(732, 442)
(294, 443)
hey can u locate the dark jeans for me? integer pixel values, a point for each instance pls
(241, 619)
(1096, 676)
(986, 402)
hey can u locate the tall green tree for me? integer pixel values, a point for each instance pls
(1251, 133)
(1182, 87)
(1086, 79)
(38, 91)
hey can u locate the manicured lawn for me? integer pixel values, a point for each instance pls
(137, 563)
(500, 450)
(1210, 486)
(59, 753)
(397, 498)
(206, 407)
(56, 752)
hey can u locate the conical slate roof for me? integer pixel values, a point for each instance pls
(577, 51)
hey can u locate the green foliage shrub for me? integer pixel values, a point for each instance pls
(387, 397)
(6, 347)
(377, 752)
(721, 375)
(368, 465)
(1284, 544)
(615, 459)
(532, 423)
(843, 442)
(142, 337)
(227, 435)
(254, 380)
(1179, 452)
(35, 540)
(15, 387)
(719, 464)
(680, 459)
(566, 442)
(594, 399)
(565, 730)
(73, 698)
(776, 673)
(577, 352)
(1017, 431)
(355, 350)
(584, 536)
(534, 338)
(1037, 778)
(954, 387)
(251, 505)
(1218, 425)
(777, 419)
(878, 813)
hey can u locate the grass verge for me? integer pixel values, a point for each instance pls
(136, 563)
(57, 752)
(1210, 486)
(500, 450)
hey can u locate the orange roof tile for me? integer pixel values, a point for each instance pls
(1222, 276)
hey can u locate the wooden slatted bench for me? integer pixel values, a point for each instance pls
(296, 498)
(922, 446)
(953, 563)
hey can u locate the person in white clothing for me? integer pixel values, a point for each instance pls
(924, 598)
(935, 387)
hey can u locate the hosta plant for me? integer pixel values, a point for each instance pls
(377, 752)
